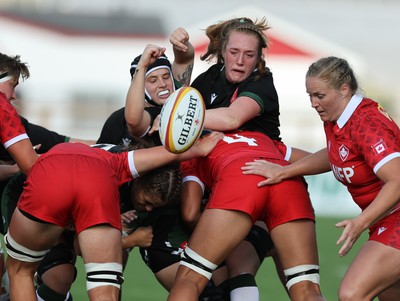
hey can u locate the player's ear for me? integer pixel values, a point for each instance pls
(344, 90)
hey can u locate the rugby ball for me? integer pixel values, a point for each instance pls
(181, 119)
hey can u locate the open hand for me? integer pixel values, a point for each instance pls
(351, 232)
(270, 171)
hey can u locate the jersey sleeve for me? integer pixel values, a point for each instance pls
(123, 164)
(131, 164)
(189, 172)
(377, 138)
(263, 92)
(284, 149)
(11, 128)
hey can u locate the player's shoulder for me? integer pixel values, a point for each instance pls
(371, 114)
(6, 107)
(208, 75)
(118, 115)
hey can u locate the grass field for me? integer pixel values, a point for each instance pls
(141, 285)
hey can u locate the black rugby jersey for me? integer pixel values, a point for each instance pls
(218, 92)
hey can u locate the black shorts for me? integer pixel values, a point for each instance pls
(158, 258)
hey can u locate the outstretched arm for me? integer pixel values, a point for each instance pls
(47, 138)
(84, 141)
(231, 118)
(151, 158)
(315, 163)
(298, 154)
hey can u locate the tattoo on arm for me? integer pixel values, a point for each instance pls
(184, 78)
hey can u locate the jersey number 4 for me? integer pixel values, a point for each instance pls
(240, 138)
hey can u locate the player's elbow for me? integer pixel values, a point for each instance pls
(232, 123)
(132, 121)
(190, 218)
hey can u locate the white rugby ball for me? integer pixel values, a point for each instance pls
(181, 119)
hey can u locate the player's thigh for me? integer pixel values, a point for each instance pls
(32, 234)
(167, 275)
(100, 244)
(101, 248)
(295, 243)
(364, 274)
(218, 233)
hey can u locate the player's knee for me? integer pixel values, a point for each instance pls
(197, 263)
(305, 272)
(61, 258)
(345, 295)
(21, 253)
(351, 292)
(102, 274)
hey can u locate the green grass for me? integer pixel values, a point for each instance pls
(141, 285)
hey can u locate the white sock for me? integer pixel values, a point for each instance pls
(248, 293)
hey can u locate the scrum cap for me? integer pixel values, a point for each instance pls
(161, 62)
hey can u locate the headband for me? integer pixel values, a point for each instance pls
(5, 77)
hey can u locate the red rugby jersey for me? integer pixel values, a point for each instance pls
(363, 139)
(11, 128)
(235, 145)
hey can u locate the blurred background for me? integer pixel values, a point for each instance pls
(79, 53)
